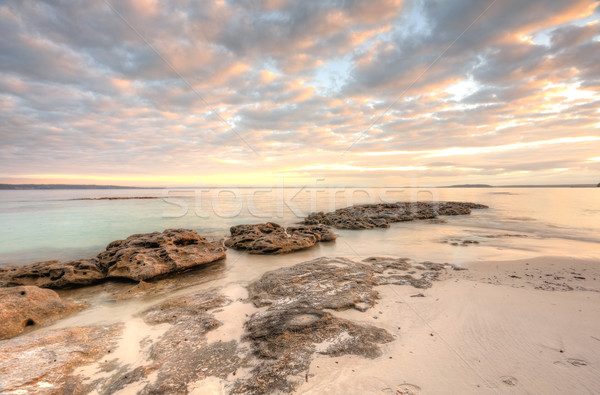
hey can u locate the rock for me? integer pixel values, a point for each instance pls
(26, 307)
(181, 354)
(139, 257)
(53, 274)
(185, 309)
(141, 289)
(144, 256)
(271, 238)
(296, 325)
(338, 283)
(368, 216)
(284, 341)
(43, 362)
(323, 283)
(321, 232)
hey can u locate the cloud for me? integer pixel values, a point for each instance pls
(358, 91)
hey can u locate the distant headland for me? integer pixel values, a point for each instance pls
(77, 186)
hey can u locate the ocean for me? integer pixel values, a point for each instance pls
(41, 225)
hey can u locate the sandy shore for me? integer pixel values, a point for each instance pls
(528, 326)
(518, 327)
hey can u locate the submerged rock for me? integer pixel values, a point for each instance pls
(369, 216)
(139, 257)
(44, 362)
(23, 308)
(271, 238)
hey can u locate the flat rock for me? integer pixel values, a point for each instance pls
(297, 324)
(323, 283)
(43, 362)
(180, 355)
(144, 256)
(27, 307)
(271, 238)
(369, 216)
(338, 283)
(284, 340)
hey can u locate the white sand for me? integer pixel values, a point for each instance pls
(504, 337)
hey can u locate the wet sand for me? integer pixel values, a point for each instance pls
(527, 326)
(518, 327)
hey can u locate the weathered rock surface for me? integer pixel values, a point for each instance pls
(139, 257)
(22, 308)
(284, 341)
(321, 232)
(179, 356)
(323, 283)
(295, 325)
(175, 354)
(144, 256)
(53, 274)
(368, 216)
(338, 283)
(271, 238)
(43, 362)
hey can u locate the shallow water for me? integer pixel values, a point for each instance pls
(42, 225)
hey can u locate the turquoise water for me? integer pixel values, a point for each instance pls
(42, 225)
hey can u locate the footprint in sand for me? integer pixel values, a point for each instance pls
(509, 380)
(408, 389)
(572, 361)
(577, 362)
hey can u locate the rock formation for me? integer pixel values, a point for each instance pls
(53, 274)
(43, 362)
(368, 216)
(271, 238)
(27, 307)
(144, 256)
(139, 257)
(295, 325)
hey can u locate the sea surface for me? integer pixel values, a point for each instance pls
(39, 225)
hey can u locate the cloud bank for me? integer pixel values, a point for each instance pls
(236, 92)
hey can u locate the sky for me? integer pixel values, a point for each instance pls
(282, 92)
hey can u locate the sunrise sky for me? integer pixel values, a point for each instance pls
(354, 92)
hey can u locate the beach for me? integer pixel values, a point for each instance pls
(481, 332)
(419, 307)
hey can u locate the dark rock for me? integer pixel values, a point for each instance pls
(323, 283)
(368, 216)
(144, 256)
(295, 325)
(26, 307)
(271, 238)
(182, 354)
(285, 339)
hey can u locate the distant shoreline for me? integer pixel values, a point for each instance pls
(38, 187)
